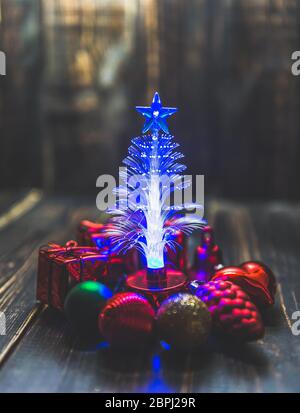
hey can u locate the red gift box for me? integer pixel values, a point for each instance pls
(88, 232)
(93, 234)
(61, 267)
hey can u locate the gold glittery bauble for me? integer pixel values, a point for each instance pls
(183, 321)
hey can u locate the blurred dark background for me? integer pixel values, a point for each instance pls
(77, 68)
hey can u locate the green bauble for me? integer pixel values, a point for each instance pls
(183, 321)
(83, 305)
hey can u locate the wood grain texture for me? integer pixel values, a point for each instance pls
(49, 220)
(47, 358)
(20, 39)
(225, 64)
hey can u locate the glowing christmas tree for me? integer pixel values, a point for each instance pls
(142, 216)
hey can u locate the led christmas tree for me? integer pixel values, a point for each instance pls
(142, 216)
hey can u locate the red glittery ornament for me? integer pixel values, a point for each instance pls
(255, 278)
(127, 321)
(207, 258)
(233, 313)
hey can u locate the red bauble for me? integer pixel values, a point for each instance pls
(127, 321)
(232, 311)
(255, 278)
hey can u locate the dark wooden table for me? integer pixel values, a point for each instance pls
(37, 355)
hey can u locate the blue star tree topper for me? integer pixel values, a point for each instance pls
(155, 115)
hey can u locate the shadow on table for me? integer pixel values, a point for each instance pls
(160, 369)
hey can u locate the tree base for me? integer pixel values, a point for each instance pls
(157, 289)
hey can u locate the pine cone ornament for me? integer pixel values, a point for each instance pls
(232, 311)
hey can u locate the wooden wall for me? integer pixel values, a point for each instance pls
(20, 139)
(78, 68)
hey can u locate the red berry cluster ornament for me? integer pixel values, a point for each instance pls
(235, 295)
(233, 313)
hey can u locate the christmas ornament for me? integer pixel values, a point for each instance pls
(140, 217)
(232, 311)
(207, 258)
(146, 230)
(155, 115)
(127, 321)
(83, 305)
(62, 267)
(183, 321)
(176, 254)
(255, 278)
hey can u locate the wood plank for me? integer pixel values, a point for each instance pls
(49, 359)
(50, 220)
(277, 231)
(8, 198)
